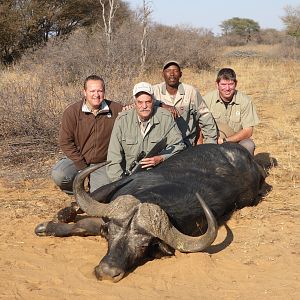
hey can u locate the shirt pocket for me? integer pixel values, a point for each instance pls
(130, 148)
(235, 121)
(217, 115)
(130, 140)
(153, 141)
(236, 117)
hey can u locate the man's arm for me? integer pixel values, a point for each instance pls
(249, 119)
(171, 108)
(67, 139)
(151, 161)
(175, 142)
(206, 121)
(243, 134)
(174, 145)
(153, 157)
(116, 167)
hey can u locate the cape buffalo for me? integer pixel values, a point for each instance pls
(167, 208)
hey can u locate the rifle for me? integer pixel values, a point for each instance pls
(159, 147)
(134, 164)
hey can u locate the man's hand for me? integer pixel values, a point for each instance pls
(128, 106)
(220, 140)
(172, 109)
(151, 161)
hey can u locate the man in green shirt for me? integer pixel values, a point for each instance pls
(233, 111)
(140, 129)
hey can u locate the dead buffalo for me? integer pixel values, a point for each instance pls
(155, 212)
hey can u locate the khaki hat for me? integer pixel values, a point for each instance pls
(142, 87)
(170, 63)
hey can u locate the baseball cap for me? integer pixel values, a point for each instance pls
(142, 87)
(170, 63)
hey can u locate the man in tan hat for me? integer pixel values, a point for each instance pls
(234, 112)
(139, 130)
(186, 104)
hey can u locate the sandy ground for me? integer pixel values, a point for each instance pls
(257, 256)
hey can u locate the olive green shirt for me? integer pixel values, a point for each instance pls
(239, 114)
(193, 112)
(127, 140)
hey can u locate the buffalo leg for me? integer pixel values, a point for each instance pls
(84, 227)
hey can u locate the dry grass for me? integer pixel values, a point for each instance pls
(259, 49)
(273, 84)
(274, 87)
(263, 258)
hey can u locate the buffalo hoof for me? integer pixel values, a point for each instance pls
(41, 229)
(53, 229)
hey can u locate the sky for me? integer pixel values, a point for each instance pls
(211, 13)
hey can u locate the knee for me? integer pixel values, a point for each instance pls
(60, 177)
(63, 176)
(249, 145)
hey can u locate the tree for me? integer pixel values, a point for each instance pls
(28, 24)
(270, 36)
(10, 35)
(244, 28)
(145, 15)
(292, 21)
(108, 19)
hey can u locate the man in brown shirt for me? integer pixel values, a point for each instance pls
(84, 135)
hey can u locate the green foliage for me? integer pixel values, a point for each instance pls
(28, 24)
(10, 34)
(244, 28)
(292, 21)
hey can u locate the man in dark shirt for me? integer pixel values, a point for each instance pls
(84, 135)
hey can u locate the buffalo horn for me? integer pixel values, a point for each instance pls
(120, 207)
(157, 223)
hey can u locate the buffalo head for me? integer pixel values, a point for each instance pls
(133, 229)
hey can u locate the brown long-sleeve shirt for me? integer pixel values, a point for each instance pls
(84, 137)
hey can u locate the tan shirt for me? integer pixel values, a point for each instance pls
(193, 112)
(239, 114)
(127, 140)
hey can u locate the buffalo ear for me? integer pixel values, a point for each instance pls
(160, 249)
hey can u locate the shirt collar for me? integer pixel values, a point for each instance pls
(153, 119)
(233, 101)
(140, 121)
(87, 108)
(180, 89)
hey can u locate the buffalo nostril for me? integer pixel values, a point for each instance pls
(106, 272)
